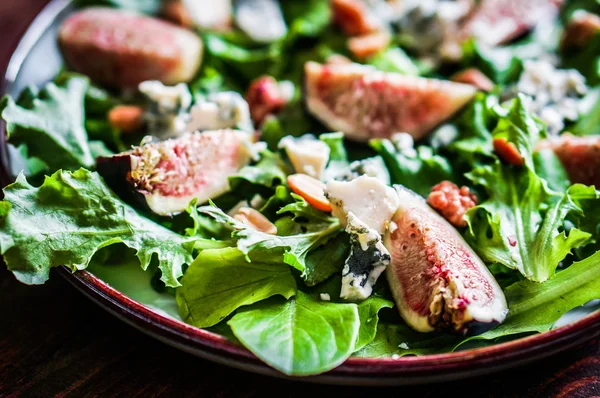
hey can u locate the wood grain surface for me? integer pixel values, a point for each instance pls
(55, 342)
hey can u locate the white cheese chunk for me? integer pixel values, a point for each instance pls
(367, 260)
(554, 93)
(262, 20)
(307, 154)
(371, 201)
(167, 111)
(372, 167)
(210, 14)
(222, 110)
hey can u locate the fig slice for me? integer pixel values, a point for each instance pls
(497, 22)
(122, 49)
(165, 176)
(437, 280)
(365, 103)
(580, 156)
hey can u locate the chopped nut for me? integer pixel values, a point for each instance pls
(353, 17)
(127, 118)
(176, 12)
(580, 29)
(508, 152)
(311, 189)
(474, 77)
(256, 220)
(370, 44)
(451, 202)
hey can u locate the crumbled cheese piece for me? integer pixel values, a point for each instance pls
(167, 110)
(307, 154)
(404, 143)
(286, 90)
(367, 260)
(257, 201)
(395, 356)
(372, 167)
(444, 136)
(554, 93)
(210, 14)
(404, 346)
(373, 202)
(262, 20)
(226, 109)
(432, 25)
(325, 297)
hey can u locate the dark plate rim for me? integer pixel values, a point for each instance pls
(406, 369)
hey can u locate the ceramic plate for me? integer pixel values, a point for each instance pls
(136, 303)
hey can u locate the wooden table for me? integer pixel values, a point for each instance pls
(55, 342)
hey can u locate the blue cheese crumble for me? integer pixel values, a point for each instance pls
(367, 260)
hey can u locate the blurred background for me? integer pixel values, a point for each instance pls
(15, 16)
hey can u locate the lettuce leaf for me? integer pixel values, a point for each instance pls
(520, 225)
(69, 218)
(292, 249)
(534, 308)
(301, 336)
(589, 118)
(51, 125)
(307, 18)
(419, 172)
(222, 280)
(368, 312)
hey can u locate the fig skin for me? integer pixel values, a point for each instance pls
(121, 49)
(580, 156)
(366, 103)
(165, 176)
(437, 280)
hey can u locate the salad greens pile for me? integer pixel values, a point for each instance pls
(279, 295)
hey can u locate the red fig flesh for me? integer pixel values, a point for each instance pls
(580, 157)
(121, 49)
(167, 175)
(365, 103)
(497, 22)
(437, 280)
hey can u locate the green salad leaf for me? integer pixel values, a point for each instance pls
(397, 61)
(326, 260)
(368, 312)
(419, 171)
(520, 224)
(69, 218)
(534, 308)
(589, 118)
(301, 336)
(51, 125)
(292, 249)
(269, 172)
(220, 281)
(306, 17)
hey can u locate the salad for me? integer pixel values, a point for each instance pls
(320, 179)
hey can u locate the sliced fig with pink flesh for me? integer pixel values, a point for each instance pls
(165, 176)
(580, 156)
(437, 280)
(366, 103)
(497, 22)
(122, 49)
